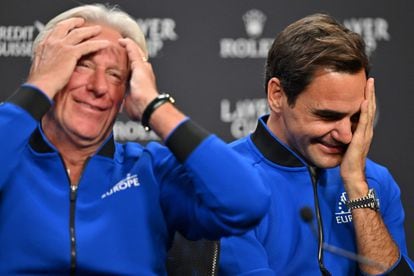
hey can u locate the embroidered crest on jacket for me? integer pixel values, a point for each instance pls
(343, 214)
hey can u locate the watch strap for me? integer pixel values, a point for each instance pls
(368, 201)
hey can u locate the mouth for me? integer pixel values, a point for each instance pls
(333, 148)
(92, 107)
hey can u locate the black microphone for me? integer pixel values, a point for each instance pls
(307, 215)
(314, 172)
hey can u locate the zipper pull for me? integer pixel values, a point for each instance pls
(73, 189)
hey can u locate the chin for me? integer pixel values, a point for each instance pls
(88, 135)
(326, 164)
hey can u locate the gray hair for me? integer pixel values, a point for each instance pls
(112, 17)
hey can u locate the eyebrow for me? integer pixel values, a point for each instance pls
(326, 113)
(334, 115)
(113, 51)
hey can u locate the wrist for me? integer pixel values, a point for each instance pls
(369, 200)
(355, 187)
(152, 106)
(356, 191)
(42, 87)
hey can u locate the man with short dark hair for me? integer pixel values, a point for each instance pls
(312, 152)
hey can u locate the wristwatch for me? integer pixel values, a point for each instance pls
(369, 201)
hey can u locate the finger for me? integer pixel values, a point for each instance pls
(83, 33)
(363, 118)
(91, 46)
(373, 101)
(64, 27)
(135, 54)
(370, 97)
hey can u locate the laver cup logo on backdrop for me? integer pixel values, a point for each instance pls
(242, 115)
(156, 31)
(252, 47)
(371, 29)
(16, 41)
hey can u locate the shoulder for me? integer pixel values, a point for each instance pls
(380, 178)
(242, 145)
(377, 171)
(135, 150)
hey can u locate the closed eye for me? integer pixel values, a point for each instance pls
(355, 117)
(84, 63)
(115, 74)
(329, 115)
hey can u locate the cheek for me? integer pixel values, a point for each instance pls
(309, 132)
(77, 79)
(118, 95)
(61, 96)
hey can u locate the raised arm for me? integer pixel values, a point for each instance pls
(374, 240)
(212, 191)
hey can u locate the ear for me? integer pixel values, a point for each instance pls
(121, 108)
(275, 95)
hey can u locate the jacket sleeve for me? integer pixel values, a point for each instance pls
(215, 192)
(243, 255)
(19, 116)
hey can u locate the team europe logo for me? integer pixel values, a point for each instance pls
(342, 213)
(130, 181)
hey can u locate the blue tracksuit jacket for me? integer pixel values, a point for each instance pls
(129, 201)
(283, 243)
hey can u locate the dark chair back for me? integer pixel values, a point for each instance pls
(193, 258)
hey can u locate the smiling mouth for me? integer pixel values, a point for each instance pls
(337, 148)
(91, 107)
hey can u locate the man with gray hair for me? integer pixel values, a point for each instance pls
(72, 200)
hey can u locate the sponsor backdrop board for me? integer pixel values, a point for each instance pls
(210, 56)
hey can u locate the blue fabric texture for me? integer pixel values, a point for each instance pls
(129, 201)
(284, 243)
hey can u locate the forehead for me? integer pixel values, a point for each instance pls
(336, 89)
(112, 35)
(107, 32)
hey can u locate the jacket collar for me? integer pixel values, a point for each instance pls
(39, 144)
(273, 149)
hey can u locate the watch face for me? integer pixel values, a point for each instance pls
(372, 194)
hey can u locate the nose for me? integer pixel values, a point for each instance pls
(343, 131)
(98, 83)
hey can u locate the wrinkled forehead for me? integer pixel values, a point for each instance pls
(107, 32)
(115, 49)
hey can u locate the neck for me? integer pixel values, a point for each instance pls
(74, 167)
(275, 125)
(74, 152)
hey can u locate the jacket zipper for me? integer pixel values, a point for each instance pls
(73, 194)
(72, 208)
(315, 178)
(216, 245)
